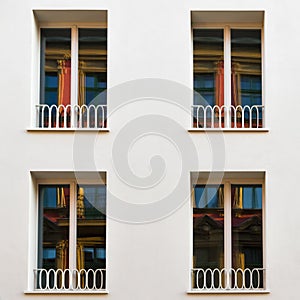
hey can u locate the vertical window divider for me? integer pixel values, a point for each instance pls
(72, 227)
(74, 72)
(227, 76)
(227, 232)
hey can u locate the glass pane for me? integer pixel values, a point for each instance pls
(208, 66)
(92, 66)
(53, 238)
(91, 227)
(208, 227)
(53, 252)
(246, 67)
(247, 250)
(55, 66)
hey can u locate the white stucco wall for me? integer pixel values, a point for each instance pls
(149, 39)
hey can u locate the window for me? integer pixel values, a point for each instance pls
(228, 236)
(227, 77)
(71, 237)
(73, 78)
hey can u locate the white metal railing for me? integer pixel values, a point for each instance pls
(69, 280)
(227, 116)
(231, 279)
(71, 116)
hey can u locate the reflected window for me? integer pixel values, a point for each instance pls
(60, 64)
(227, 84)
(208, 224)
(233, 211)
(208, 66)
(245, 60)
(58, 248)
(246, 67)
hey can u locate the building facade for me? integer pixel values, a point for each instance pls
(147, 155)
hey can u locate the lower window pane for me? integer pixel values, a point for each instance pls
(247, 233)
(91, 233)
(53, 246)
(208, 237)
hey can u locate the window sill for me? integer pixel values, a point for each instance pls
(228, 130)
(228, 292)
(67, 129)
(65, 292)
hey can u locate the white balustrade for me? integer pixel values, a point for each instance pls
(208, 116)
(71, 116)
(70, 280)
(231, 279)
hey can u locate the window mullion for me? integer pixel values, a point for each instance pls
(74, 70)
(72, 227)
(227, 229)
(227, 75)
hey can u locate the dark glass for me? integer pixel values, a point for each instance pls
(91, 230)
(208, 66)
(208, 232)
(247, 229)
(54, 230)
(55, 66)
(208, 223)
(92, 65)
(53, 239)
(246, 67)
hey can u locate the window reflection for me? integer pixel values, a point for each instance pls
(208, 223)
(247, 227)
(92, 66)
(55, 66)
(54, 231)
(208, 66)
(246, 67)
(54, 226)
(91, 227)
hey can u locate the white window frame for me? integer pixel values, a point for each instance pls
(74, 52)
(33, 261)
(228, 230)
(36, 84)
(226, 27)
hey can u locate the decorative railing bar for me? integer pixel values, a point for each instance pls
(71, 116)
(228, 279)
(207, 116)
(70, 280)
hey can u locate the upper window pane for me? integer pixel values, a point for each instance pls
(208, 66)
(92, 66)
(55, 66)
(246, 67)
(209, 196)
(246, 196)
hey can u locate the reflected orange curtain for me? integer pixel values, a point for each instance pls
(234, 86)
(64, 80)
(81, 84)
(219, 82)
